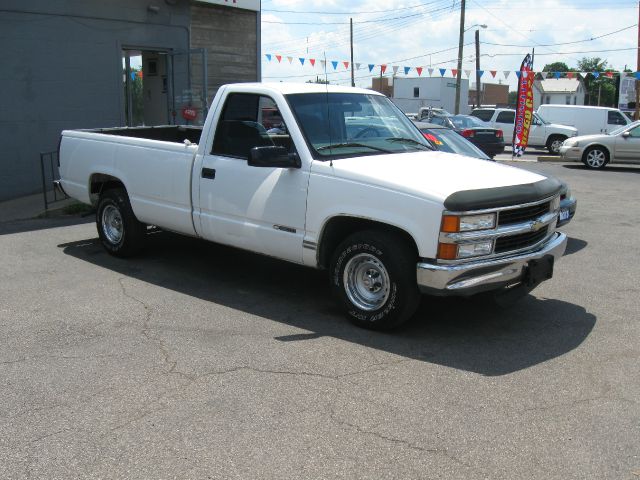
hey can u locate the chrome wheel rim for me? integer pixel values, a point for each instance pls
(555, 145)
(596, 158)
(366, 282)
(112, 224)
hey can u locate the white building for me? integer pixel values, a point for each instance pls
(410, 93)
(558, 91)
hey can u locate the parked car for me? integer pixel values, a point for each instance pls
(596, 151)
(588, 120)
(543, 134)
(428, 112)
(446, 140)
(487, 138)
(388, 217)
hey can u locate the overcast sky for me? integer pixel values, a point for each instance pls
(425, 33)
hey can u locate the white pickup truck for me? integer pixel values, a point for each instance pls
(346, 183)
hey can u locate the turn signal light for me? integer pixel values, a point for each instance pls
(447, 251)
(499, 134)
(450, 224)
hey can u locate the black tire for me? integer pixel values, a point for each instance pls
(554, 143)
(595, 157)
(120, 232)
(385, 259)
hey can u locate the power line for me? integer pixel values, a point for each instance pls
(563, 43)
(351, 13)
(344, 23)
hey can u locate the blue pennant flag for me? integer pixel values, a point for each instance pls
(637, 75)
(268, 55)
(596, 74)
(443, 71)
(480, 72)
(406, 70)
(518, 73)
(301, 60)
(371, 65)
(556, 74)
(335, 64)
(133, 76)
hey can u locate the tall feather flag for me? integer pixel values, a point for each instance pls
(524, 107)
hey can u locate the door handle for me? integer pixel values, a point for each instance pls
(209, 173)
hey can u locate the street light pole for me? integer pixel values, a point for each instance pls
(478, 105)
(460, 47)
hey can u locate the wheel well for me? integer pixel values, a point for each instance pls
(554, 136)
(591, 147)
(339, 228)
(99, 182)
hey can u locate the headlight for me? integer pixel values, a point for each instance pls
(467, 223)
(451, 251)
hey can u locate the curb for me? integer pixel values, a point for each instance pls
(551, 158)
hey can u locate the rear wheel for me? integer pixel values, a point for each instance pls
(119, 230)
(595, 157)
(373, 276)
(554, 143)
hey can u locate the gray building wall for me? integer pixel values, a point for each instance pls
(61, 67)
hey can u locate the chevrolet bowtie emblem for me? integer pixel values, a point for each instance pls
(536, 225)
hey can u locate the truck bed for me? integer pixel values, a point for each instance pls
(165, 133)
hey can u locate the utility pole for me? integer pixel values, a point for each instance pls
(478, 104)
(637, 116)
(353, 81)
(460, 47)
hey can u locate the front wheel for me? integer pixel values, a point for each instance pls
(120, 232)
(554, 143)
(373, 275)
(595, 157)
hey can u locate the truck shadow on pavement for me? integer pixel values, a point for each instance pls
(466, 334)
(607, 169)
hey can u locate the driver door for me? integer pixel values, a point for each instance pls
(261, 209)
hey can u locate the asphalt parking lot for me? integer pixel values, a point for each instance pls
(200, 361)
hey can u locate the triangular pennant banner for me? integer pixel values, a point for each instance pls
(268, 55)
(609, 74)
(544, 75)
(371, 66)
(383, 68)
(290, 59)
(557, 74)
(133, 76)
(335, 64)
(442, 71)
(346, 64)
(312, 61)
(419, 70)
(358, 66)
(637, 75)
(430, 70)
(279, 58)
(595, 74)
(301, 60)
(395, 69)
(480, 73)
(518, 73)
(406, 70)
(493, 73)
(467, 73)
(507, 73)
(454, 72)
(570, 74)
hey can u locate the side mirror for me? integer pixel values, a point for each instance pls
(626, 134)
(274, 157)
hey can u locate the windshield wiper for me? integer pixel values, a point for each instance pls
(352, 144)
(407, 140)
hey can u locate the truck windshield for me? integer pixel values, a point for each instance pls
(337, 125)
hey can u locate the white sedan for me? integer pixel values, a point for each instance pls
(595, 151)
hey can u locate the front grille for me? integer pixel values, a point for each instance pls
(523, 240)
(524, 214)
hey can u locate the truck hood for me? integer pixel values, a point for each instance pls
(431, 175)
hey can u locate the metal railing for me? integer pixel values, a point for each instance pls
(49, 175)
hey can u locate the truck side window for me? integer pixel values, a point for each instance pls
(506, 117)
(247, 121)
(614, 118)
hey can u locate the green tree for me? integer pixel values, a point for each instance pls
(601, 90)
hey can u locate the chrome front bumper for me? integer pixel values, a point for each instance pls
(571, 153)
(483, 275)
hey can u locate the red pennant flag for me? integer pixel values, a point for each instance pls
(493, 73)
(279, 57)
(346, 64)
(313, 62)
(454, 72)
(419, 70)
(569, 74)
(609, 74)
(383, 68)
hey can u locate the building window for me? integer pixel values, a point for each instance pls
(548, 99)
(575, 100)
(568, 100)
(416, 92)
